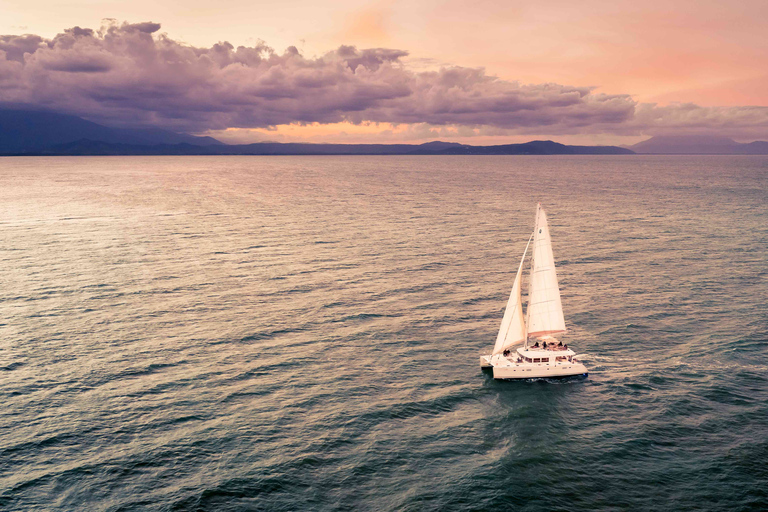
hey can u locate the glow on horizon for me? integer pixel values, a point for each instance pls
(388, 133)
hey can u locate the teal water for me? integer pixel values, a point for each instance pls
(302, 333)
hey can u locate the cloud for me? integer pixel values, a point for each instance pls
(16, 46)
(124, 74)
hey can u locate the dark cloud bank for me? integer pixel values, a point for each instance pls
(130, 74)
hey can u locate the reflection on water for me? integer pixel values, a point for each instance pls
(276, 333)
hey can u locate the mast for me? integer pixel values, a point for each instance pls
(545, 311)
(530, 281)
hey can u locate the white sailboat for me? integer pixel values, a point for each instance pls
(540, 355)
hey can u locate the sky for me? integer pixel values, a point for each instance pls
(482, 72)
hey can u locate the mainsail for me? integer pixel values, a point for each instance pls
(512, 328)
(545, 312)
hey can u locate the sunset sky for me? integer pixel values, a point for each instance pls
(483, 72)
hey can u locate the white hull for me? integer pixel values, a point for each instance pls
(506, 368)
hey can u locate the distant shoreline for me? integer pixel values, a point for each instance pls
(87, 147)
(39, 155)
(40, 133)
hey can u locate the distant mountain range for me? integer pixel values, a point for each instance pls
(26, 132)
(546, 147)
(698, 145)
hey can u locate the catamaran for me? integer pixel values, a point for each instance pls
(541, 355)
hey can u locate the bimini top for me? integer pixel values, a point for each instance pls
(545, 352)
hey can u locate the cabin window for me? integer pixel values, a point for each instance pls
(544, 359)
(536, 360)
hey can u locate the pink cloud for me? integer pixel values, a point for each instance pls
(126, 74)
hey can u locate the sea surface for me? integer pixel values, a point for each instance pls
(302, 333)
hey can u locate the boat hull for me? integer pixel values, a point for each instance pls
(514, 371)
(525, 371)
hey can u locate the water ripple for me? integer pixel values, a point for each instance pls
(285, 333)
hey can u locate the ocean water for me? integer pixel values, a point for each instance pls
(302, 333)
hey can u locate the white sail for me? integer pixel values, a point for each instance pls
(545, 312)
(512, 328)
